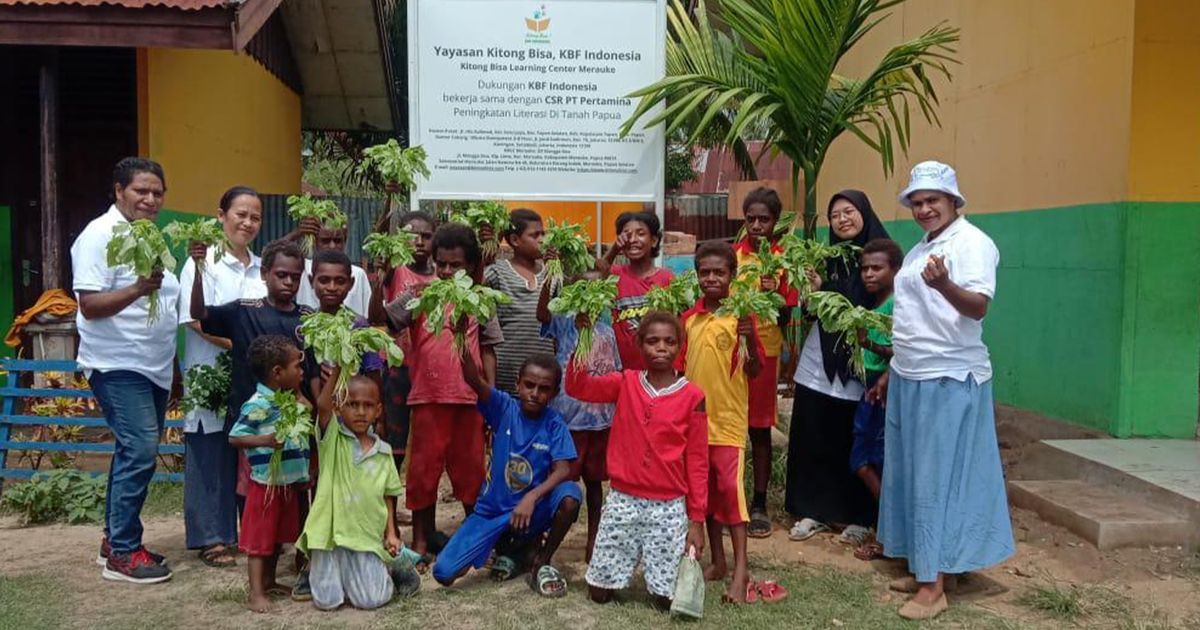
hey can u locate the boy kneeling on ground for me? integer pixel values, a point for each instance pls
(527, 493)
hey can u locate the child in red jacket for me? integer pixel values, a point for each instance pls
(657, 463)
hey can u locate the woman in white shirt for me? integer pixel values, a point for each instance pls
(943, 505)
(210, 466)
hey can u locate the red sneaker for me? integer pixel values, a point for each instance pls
(106, 549)
(137, 567)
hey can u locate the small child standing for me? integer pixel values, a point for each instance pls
(712, 346)
(350, 535)
(881, 259)
(528, 494)
(658, 462)
(639, 239)
(588, 422)
(272, 514)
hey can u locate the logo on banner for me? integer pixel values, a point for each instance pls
(538, 27)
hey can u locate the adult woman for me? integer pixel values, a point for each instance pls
(943, 505)
(210, 466)
(821, 489)
(129, 363)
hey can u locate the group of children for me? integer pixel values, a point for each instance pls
(661, 409)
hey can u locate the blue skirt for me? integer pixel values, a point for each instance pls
(210, 513)
(943, 505)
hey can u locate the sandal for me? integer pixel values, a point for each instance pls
(426, 561)
(771, 591)
(760, 525)
(806, 528)
(751, 595)
(504, 568)
(548, 582)
(869, 550)
(217, 556)
(854, 535)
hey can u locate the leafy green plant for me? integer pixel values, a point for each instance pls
(589, 298)
(207, 231)
(458, 297)
(207, 386)
(768, 264)
(141, 246)
(66, 495)
(395, 164)
(395, 249)
(747, 299)
(334, 341)
(838, 315)
(776, 66)
(478, 214)
(677, 297)
(323, 210)
(293, 426)
(568, 240)
(802, 256)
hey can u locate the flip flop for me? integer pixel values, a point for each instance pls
(806, 528)
(869, 550)
(504, 568)
(771, 591)
(760, 525)
(217, 559)
(751, 594)
(548, 582)
(426, 561)
(279, 590)
(854, 535)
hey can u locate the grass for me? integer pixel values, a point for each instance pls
(164, 499)
(31, 601)
(1095, 607)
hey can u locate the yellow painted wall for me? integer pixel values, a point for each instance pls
(1037, 114)
(1164, 157)
(215, 119)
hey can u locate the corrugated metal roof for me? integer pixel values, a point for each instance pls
(185, 5)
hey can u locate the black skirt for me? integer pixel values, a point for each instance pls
(820, 484)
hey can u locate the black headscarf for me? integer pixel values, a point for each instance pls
(843, 276)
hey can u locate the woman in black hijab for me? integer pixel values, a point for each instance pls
(821, 488)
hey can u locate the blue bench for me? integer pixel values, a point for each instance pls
(12, 392)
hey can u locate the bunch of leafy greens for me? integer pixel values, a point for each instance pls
(677, 297)
(569, 242)
(207, 231)
(293, 426)
(334, 341)
(393, 250)
(839, 316)
(66, 494)
(207, 386)
(747, 299)
(802, 256)
(589, 298)
(767, 263)
(458, 297)
(323, 210)
(141, 246)
(395, 164)
(493, 214)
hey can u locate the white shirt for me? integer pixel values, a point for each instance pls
(358, 300)
(225, 280)
(810, 372)
(930, 338)
(125, 341)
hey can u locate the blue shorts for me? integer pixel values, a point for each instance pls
(472, 544)
(868, 435)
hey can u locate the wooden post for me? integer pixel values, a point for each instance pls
(48, 114)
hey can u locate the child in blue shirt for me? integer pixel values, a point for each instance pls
(527, 492)
(588, 422)
(272, 514)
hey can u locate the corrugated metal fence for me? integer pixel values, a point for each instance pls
(362, 211)
(705, 216)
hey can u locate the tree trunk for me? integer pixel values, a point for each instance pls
(810, 202)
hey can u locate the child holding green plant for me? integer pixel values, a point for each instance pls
(272, 515)
(639, 235)
(350, 535)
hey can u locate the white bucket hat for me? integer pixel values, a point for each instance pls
(933, 175)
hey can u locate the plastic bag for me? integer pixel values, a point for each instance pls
(689, 587)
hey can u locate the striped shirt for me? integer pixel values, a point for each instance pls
(518, 321)
(258, 418)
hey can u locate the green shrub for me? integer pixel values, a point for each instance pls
(65, 495)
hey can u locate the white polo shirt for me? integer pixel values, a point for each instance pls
(225, 280)
(125, 341)
(930, 338)
(358, 300)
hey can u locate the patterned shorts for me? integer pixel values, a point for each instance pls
(633, 529)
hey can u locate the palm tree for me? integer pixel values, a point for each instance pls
(772, 64)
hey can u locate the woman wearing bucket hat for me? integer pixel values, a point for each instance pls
(821, 489)
(943, 505)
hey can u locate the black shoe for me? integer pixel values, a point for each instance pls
(106, 549)
(137, 567)
(302, 591)
(405, 578)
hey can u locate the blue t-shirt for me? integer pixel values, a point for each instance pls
(523, 451)
(257, 417)
(604, 359)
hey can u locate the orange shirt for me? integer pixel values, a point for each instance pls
(769, 332)
(710, 357)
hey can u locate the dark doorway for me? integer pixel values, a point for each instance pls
(97, 126)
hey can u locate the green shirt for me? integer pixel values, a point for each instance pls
(349, 510)
(874, 363)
